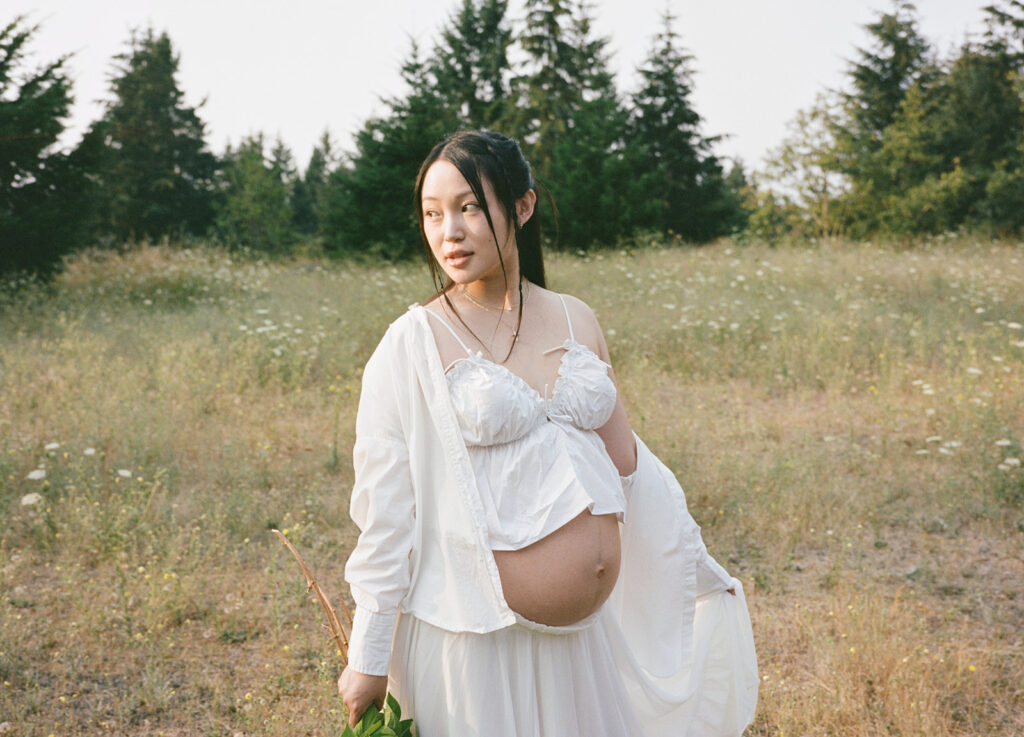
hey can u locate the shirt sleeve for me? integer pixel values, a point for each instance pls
(383, 508)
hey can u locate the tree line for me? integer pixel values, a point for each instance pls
(916, 143)
(919, 142)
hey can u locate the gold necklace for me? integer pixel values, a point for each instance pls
(469, 296)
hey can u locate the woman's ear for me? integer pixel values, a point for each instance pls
(525, 205)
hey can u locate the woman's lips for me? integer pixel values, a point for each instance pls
(457, 259)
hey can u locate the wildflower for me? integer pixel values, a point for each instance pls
(971, 668)
(36, 475)
(52, 446)
(30, 500)
(1013, 326)
(89, 451)
(124, 473)
(921, 452)
(974, 371)
(1003, 443)
(1011, 461)
(933, 439)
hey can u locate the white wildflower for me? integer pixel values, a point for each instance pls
(1011, 461)
(52, 446)
(921, 452)
(1013, 325)
(974, 371)
(1004, 442)
(37, 475)
(30, 500)
(124, 473)
(89, 451)
(933, 439)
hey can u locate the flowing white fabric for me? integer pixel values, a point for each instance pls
(528, 680)
(688, 667)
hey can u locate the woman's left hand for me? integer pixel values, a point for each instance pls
(359, 692)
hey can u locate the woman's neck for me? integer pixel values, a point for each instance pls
(493, 293)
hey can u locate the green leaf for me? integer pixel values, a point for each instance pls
(370, 722)
(348, 732)
(392, 707)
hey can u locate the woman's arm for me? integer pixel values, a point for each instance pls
(383, 508)
(616, 433)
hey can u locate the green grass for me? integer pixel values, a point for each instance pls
(844, 419)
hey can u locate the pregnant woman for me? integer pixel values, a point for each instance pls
(526, 567)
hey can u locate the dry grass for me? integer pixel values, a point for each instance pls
(844, 419)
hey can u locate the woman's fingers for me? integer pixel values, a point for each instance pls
(359, 691)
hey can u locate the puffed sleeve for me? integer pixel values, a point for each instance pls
(383, 508)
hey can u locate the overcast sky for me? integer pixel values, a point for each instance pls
(295, 69)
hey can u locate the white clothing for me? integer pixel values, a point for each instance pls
(520, 441)
(424, 549)
(529, 680)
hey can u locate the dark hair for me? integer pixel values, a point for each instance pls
(479, 155)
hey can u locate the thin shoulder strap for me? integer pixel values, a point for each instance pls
(450, 330)
(567, 319)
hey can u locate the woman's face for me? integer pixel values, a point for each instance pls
(457, 230)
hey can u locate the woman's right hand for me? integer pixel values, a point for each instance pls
(359, 691)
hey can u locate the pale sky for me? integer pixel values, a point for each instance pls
(295, 69)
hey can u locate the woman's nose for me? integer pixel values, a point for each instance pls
(453, 229)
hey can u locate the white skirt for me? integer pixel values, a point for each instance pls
(532, 680)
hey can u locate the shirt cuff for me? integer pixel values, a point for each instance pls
(369, 648)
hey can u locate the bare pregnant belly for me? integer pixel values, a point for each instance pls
(565, 576)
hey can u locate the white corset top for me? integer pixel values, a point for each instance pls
(537, 460)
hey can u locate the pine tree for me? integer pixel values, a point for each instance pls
(470, 63)
(309, 194)
(547, 94)
(369, 201)
(591, 173)
(42, 191)
(883, 74)
(255, 212)
(157, 172)
(895, 62)
(684, 182)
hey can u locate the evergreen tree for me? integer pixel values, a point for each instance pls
(591, 173)
(369, 201)
(42, 191)
(684, 183)
(309, 194)
(883, 74)
(546, 96)
(896, 61)
(470, 64)
(255, 212)
(157, 172)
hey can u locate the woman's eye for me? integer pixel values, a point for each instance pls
(470, 207)
(430, 214)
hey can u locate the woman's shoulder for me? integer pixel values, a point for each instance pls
(584, 321)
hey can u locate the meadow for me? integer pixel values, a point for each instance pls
(847, 420)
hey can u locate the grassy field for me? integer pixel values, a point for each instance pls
(847, 421)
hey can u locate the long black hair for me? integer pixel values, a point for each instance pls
(479, 155)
